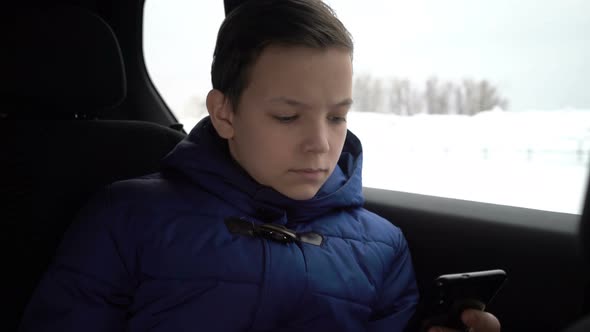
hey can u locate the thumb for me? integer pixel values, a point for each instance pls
(480, 321)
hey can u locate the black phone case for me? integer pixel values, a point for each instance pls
(453, 293)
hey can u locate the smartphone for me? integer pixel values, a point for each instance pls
(450, 294)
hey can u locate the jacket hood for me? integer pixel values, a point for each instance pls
(203, 158)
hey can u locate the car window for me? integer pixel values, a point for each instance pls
(476, 100)
(179, 38)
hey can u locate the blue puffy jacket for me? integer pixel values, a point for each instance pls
(183, 250)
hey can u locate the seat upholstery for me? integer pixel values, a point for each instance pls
(580, 326)
(64, 72)
(60, 60)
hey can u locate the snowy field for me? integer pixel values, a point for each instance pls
(538, 160)
(533, 159)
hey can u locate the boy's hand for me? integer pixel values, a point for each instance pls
(476, 320)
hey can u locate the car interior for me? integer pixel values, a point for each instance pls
(79, 111)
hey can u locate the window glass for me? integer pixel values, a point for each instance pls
(179, 39)
(475, 100)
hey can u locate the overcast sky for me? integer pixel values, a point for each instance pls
(536, 52)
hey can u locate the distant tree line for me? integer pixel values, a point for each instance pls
(402, 97)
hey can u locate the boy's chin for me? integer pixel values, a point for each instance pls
(299, 194)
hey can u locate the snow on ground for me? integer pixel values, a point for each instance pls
(531, 159)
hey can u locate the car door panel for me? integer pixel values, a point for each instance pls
(539, 250)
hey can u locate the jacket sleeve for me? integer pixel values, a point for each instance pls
(88, 286)
(398, 295)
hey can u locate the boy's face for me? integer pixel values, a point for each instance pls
(290, 125)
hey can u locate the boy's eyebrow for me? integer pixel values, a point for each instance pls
(296, 103)
(345, 102)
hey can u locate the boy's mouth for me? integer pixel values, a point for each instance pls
(314, 175)
(309, 170)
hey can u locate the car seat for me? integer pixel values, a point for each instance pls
(63, 71)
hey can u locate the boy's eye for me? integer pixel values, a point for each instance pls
(286, 119)
(337, 119)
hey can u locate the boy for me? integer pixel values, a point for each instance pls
(255, 222)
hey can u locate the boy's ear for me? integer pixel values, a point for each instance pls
(221, 113)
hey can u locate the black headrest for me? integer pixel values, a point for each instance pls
(59, 60)
(230, 5)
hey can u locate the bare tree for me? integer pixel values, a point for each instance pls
(361, 93)
(399, 94)
(431, 96)
(479, 96)
(376, 95)
(489, 97)
(400, 97)
(438, 96)
(403, 98)
(460, 104)
(368, 94)
(416, 103)
(468, 97)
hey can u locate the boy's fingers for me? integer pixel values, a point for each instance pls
(480, 321)
(476, 320)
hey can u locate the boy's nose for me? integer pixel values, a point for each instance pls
(316, 139)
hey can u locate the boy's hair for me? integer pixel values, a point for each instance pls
(256, 24)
